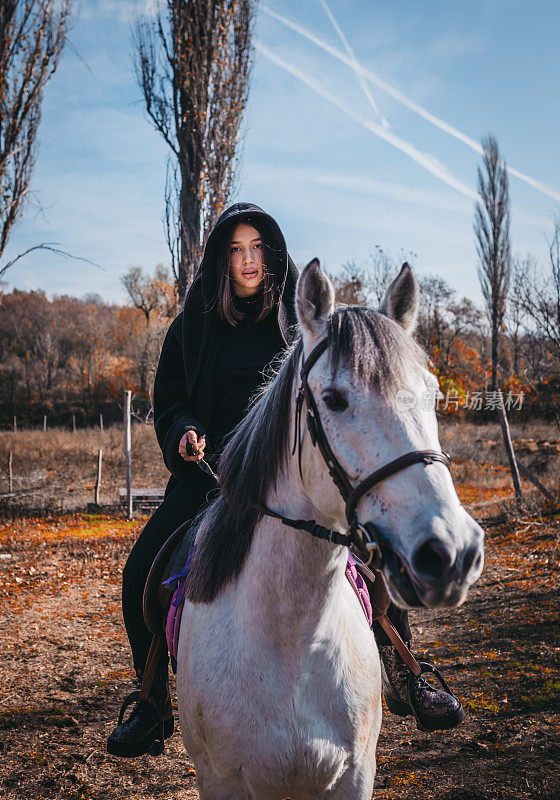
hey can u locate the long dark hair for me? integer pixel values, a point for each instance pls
(270, 288)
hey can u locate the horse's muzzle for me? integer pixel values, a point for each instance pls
(438, 572)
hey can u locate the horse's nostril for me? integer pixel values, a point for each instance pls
(432, 559)
(472, 555)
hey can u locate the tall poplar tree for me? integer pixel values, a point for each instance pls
(32, 37)
(491, 228)
(193, 64)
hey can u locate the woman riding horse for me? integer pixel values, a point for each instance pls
(238, 316)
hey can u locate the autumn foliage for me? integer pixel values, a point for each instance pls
(65, 356)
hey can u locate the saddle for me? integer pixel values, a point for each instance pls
(164, 589)
(164, 596)
(169, 561)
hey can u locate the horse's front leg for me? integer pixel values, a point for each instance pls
(212, 787)
(357, 783)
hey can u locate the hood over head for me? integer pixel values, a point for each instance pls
(200, 310)
(277, 257)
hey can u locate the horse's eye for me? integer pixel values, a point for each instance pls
(335, 400)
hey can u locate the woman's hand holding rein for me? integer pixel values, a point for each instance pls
(191, 448)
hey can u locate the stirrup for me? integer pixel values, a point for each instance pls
(157, 746)
(421, 723)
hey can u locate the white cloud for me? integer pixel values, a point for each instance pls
(423, 198)
(123, 10)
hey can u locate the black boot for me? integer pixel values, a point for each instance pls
(149, 724)
(405, 693)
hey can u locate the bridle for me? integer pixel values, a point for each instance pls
(361, 537)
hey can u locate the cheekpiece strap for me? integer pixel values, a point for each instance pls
(313, 357)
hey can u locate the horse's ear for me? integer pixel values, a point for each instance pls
(315, 299)
(402, 299)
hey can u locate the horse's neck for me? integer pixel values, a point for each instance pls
(292, 578)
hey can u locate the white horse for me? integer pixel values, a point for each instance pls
(278, 677)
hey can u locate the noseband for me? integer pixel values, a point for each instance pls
(360, 536)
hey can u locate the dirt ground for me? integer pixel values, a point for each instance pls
(64, 668)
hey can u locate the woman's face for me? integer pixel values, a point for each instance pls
(246, 260)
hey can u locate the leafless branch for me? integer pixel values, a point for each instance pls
(52, 247)
(193, 66)
(32, 37)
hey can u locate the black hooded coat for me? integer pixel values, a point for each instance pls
(194, 359)
(185, 391)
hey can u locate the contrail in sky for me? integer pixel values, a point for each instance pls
(401, 98)
(424, 159)
(355, 64)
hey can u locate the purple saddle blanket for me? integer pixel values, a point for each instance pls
(175, 612)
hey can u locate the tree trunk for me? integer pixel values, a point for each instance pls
(189, 233)
(494, 382)
(510, 453)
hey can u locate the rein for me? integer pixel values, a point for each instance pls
(361, 537)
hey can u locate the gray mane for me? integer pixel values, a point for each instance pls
(375, 350)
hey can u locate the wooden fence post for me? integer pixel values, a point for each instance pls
(73, 423)
(10, 473)
(536, 481)
(44, 423)
(509, 450)
(101, 423)
(15, 424)
(98, 477)
(128, 452)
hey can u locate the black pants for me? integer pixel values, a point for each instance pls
(184, 499)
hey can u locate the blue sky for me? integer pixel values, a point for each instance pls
(342, 168)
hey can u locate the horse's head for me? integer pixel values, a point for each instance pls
(375, 398)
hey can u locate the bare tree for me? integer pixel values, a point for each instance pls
(193, 66)
(32, 37)
(444, 321)
(538, 292)
(156, 297)
(434, 319)
(535, 302)
(380, 270)
(491, 228)
(516, 317)
(365, 283)
(349, 284)
(151, 294)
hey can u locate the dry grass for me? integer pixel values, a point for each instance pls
(480, 468)
(56, 470)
